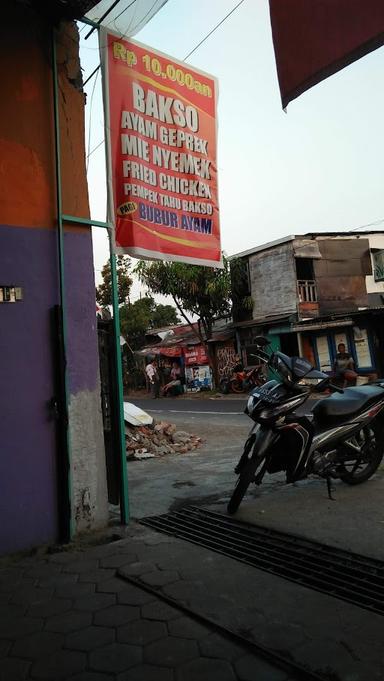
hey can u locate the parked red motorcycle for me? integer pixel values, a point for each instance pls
(242, 380)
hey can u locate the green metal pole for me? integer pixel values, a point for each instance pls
(124, 501)
(68, 530)
(85, 221)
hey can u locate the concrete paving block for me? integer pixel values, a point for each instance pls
(118, 560)
(133, 595)
(12, 669)
(91, 676)
(77, 590)
(45, 570)
(116, 615)
(105, 550)
(10, 610)
(66, 557)
(250, 667)
(204, 669)
(69, 621)
(31, 595)
(160, 577)
(95, 602)
(185, 627)
(147, 672)
(9, 578)
(90, 638)
(55, 581)
(113, 585)
(60, 665)
(38, 644)
(221, 647)
(158, 610)
(141, 632)
(81, 566)
(171, 651)
(48, 608)
(115, 658)
(280, 637)
(18, 627)
(136, 569)
(337, 659)
(97, 576)
(4, 648)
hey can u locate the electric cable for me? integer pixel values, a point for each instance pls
(214, 29)
(90, 120)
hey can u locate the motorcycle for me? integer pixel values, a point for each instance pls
(342, 438)
(243, 380)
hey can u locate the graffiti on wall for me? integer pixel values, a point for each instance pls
(225, 359)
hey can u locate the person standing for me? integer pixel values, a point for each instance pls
(153, 377)
(344, 367)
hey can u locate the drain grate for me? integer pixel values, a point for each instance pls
(348, 576)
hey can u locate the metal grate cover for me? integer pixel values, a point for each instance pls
(348, 576)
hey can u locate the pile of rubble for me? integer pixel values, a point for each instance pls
(159, 439)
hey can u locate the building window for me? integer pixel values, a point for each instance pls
(306, 285)
(362, 349)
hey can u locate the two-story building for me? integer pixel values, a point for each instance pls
(311, 292)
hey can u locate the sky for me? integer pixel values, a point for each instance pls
(318, 167)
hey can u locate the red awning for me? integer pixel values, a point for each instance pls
(315, 38)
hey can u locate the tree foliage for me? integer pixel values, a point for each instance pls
(124, 282)
(144, 314)
(201, 291)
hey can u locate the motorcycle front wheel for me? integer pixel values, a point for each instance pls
(360, 469)
(224, 386)
(245, 478)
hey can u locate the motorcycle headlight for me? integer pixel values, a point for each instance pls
(309, 381)
(250, 403)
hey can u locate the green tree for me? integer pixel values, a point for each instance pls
(124, 282)
(164, 315)
(201, 291)
(142, 315)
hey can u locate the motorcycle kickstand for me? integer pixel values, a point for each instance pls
(329, 488)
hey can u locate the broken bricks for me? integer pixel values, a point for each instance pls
(160, 439)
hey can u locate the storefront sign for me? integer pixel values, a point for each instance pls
(195, 355)
(198, 378)
(161, 141)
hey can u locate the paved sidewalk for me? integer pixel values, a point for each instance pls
(69, 615)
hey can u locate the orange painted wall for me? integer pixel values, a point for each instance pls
(27, 152)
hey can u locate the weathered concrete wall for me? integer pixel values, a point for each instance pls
(89, 486)
(89, 496)
(273, 281)
(28, 258)
(341, 273)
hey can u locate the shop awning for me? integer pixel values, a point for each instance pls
(319, 326)
(314, 39)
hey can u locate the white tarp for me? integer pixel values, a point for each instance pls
(128, 17)
(136, 416)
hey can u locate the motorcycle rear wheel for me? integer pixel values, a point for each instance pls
(245, 478)
(355, 472)
(237, 386)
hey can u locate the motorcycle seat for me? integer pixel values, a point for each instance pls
(342, 405)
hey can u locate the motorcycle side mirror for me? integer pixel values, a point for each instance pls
(261, 341)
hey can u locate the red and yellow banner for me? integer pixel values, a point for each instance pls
(161, 131)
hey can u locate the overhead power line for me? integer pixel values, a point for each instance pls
(214, 29)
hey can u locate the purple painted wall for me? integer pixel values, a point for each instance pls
(28, 482)
(82, 348)
(27, 437)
